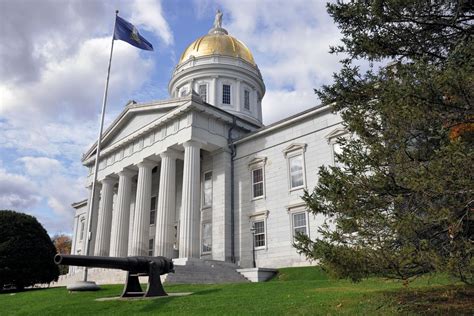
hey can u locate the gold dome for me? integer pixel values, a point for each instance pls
(219, 43)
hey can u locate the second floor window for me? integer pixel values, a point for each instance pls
(226, 94)
(207, 190)
(257, 183)
(296, 171)
(153, 210)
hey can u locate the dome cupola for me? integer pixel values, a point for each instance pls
(222, 70)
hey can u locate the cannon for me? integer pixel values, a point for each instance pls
(136, 266)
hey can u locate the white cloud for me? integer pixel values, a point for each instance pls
(56, 183)
(41, 166)
(73, 86)
(149, 15)
(279, 104)
(17, 191)
(52, 73)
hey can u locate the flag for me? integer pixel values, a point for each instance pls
(127, 32)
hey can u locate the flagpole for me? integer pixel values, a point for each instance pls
(97, 154)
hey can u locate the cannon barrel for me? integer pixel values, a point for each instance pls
(137, 264)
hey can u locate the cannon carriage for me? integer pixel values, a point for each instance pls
(153, 267)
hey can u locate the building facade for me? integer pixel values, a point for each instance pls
(199, 175)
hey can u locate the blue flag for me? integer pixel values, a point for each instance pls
(127, 32)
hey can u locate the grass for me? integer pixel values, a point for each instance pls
(295, 291)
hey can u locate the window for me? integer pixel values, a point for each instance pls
(206, 237)
(202, 90)
(183, 93)
(207, 190)
(153, 210)
(176, 234)
(83, 224)
(226, 94)
(299, 223)
(296, 171)
(151, 245)
(336, 147)
(247, 99)
(259, 234)
(257, 183)
(336, 150)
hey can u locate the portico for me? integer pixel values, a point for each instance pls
(150, 180)
(115, 215)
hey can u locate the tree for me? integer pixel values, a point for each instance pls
(63, 244)
(26, 251)
(402, 204)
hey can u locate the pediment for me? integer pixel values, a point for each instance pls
(132, 123)
(294, 147)
(338, 132)
(257, 160)
(131, 120)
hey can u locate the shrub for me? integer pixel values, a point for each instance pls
(26, 251)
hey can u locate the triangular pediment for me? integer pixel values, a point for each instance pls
(294, 147)
(257, 160)
(132, 119)
(338, 132)
(132, 123)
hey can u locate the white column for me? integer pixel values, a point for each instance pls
(95, 216)
(132, 218)
(190, 213)
(141, 222)
(104, 223)
(121, 216)
(166, 206)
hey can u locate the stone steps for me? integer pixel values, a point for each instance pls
(193, 271)
(204, 272)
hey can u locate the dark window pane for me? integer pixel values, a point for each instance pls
(226, 94)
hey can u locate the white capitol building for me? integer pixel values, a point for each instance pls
(199, 177)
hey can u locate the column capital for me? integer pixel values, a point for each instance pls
(108, 180)
(126, 173)
(192, 143)
(146, 164)
(170, 153)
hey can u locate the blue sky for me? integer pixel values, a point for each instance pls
(53, 63)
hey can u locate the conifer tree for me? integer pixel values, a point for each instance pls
(401, 204)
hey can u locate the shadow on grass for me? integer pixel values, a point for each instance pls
(439, 300)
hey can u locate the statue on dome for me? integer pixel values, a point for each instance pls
(218, 20)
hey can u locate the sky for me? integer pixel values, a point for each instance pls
(53, 65)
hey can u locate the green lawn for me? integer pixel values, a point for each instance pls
(296, 291)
